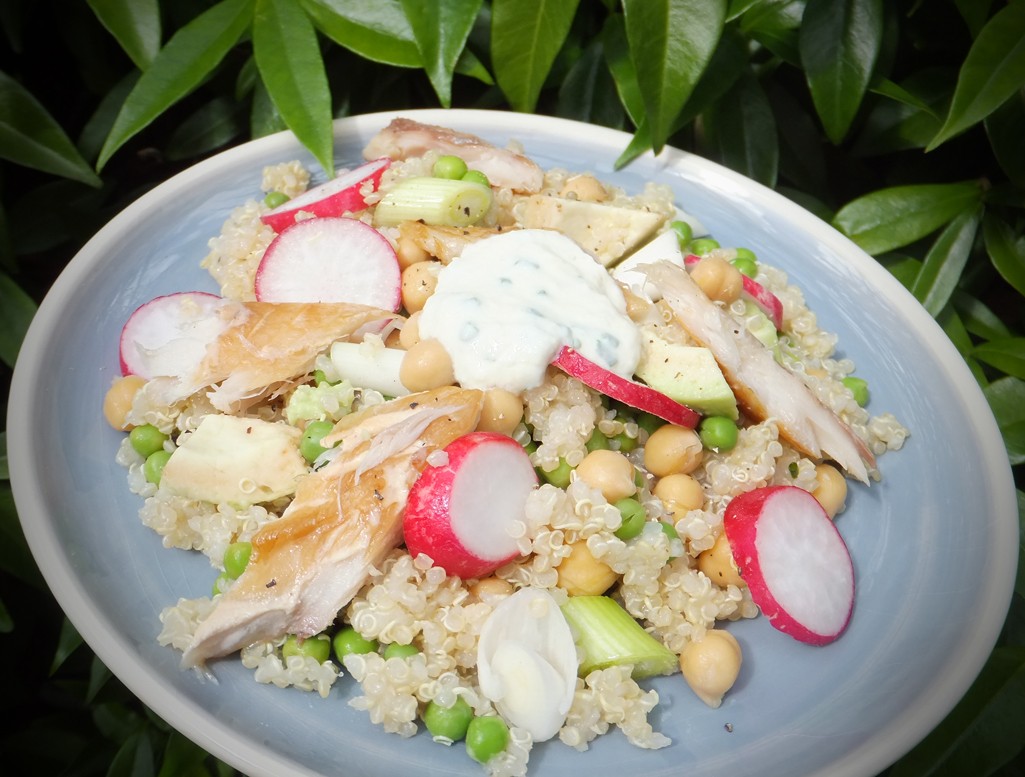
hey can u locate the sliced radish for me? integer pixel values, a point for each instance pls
(460, 512)
(169, 334)
(637, 395)
(331, 259)
(794, 561)
(343, 194)
(765, 299)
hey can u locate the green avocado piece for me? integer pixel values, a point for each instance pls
(687, 373)
(760, 325)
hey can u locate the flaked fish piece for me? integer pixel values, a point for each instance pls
(405, 138)
(763, 387)
(345, 518)
(262, 347)
(443, 243)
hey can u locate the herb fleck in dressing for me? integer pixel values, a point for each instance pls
(507, 305)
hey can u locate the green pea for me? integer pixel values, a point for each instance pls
(718, 433)
(221, 584)
(347, 640)
(449, 166)
(649, 422)
(684, 231)
(745, 262)
(319, 376)
(477, 177)
(559, 476)
(395, 650)
(703, 245)
(310, 446)
(275, 199)
(486, 737)
(236, 558)
(634, 518)
(318, 646)
(597, 442)
(626, 442)
(448, 724)
(859, 388)
(147, 439)
(153, 468)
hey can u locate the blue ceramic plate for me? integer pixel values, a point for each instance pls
(934, 544)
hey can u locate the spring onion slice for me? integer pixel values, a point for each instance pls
(609, 636)
(439, 201)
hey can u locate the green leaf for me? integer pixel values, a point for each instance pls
(728, 64)
(954, 328)
(671, 43)
(526, 36)
(16, 312)
(802, 158)
(287, 55)
(974, 13)
(135, 24)
(440, 30)
(190, 56)
(1006, 398)
(945, 261)
(992, 71)
(979, 318)
(1006, 251)
(5, 470)
(212, 126)
(897, 216)
(30, 137)
(67, 643)
(1006, 128)
(839, 44)
(1006, 354)
(624, 74)
(588, 93)
(376, 30)
(743, 129)
(984, 730)
(776, 24)
(901, 122)
(887, 88)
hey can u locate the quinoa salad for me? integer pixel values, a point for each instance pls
(495, 443)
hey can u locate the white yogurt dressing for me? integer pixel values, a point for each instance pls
(505, 307)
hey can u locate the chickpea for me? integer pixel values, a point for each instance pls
(830, 489)
(610, 472)
(720, 280)
(680, 493)
(409, 335)
(718, 565)
(502, 411)
(488, 588)
(118, 400)
(581, 574)
(426, 366)
(418, 283)
(393, 338)
(711, 665)
(584, 187)
(638, 309)
(409, 252)
(672, 449)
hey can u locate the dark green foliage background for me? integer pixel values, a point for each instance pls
(902, 123)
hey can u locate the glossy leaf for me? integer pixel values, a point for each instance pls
(894, 217)
(624, 74)
(212, 126)
(30, 137)
(802, 159)
(776, 25)
(729, 62)
(190, 56)
(1006, 251)
(979, 318)
(839, 44)
(526, 36)
(671, 43)
(135, 24)
(1006, 354)
(975, 13)
(376, 30)
(1005, 128)
(957, 332)
(288, 57)
(440, 30)
(743, 129)
(588, 91)
(1006, 398)
(901, 122)
(945, 261)
(993, 70)
(16, 312)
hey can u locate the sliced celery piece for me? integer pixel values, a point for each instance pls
(439, 201)
(609, 636)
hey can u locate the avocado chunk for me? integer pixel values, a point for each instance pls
(236, 461)
(607, 232)
(687, 373)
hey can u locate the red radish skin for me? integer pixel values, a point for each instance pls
(794, 561)
(169, 334)
(330, 259)
(637, 395)
(459, 513)
(763, 298)
(342, 194)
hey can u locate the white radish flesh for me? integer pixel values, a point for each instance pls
(169, 335)
(333, 259)
(345, 193)
(794, 561)
(461, 513)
